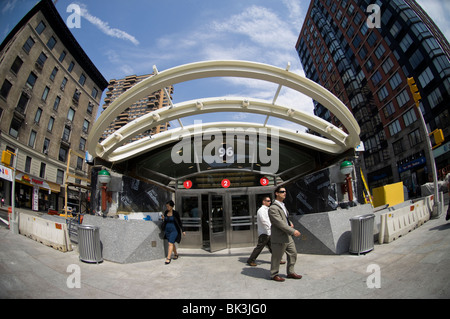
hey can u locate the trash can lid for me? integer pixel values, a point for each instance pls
(88, 227)
(359, 217)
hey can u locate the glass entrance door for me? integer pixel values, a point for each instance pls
(216, 220)
(242, 216)
(214, 214)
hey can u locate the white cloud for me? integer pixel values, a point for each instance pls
(261, 26)
(256, 33)
(9, 6)
(105, 28)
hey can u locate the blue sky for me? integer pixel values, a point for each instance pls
(129, 37)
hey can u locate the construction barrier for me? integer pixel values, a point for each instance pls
(397, 223)
(45, 231)
(391, 194)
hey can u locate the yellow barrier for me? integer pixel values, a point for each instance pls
(391, 194)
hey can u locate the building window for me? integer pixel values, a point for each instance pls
(31, 80)
(402, 98)
(60, 177)
(372, 39)
(90, 108)
(37, 116)
(42, 170)
(82, 79)
(394, 127)
(54, 72)
(56, 104)
(45, 93)
(94, 93)
(398, 147)
(51, 121)
(15, 67)
(416, 58)
(442, 65)
(379, 51)
(414, 137)
(51, 43)
(387, 65)
(6, 87)
(82, 145)
(406, 42)
(79, 163)
(14, 128)
(63, 84)
(389, 109)
(376, 78)
(41, 27)
(66, 134)
(28, 45)
(395, 29)
(62, 156)
(41, 60)
(32, 139)
(28, 164)
(435, 97)
(22, 104)
(395, 81)
(71, 114)
(46, 147)
(62, 56)
(71, 66)
(76, 96)
(382, 93)
(86, 126)
(409, 117)
(426, 77)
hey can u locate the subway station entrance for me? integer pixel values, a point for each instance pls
(218, 172)
(220, 219)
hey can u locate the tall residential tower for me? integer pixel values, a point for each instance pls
(152, 102)
(367, 65)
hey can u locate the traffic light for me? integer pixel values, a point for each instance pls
(414, 90)
(6, 158)
(438, 137)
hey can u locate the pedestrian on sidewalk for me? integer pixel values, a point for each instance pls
(282, 230)
(173, 228)
(263, 222)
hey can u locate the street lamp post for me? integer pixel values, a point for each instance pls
(104, 177)
(417, 97)
(346, 169)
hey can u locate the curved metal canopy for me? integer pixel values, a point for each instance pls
(112, 149)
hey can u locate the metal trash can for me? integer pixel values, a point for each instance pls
(362, 234)
(89, 245)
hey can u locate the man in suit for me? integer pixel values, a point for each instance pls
(281, 237)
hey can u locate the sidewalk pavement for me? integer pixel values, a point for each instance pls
(416, 265)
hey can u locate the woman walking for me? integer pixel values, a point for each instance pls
(173, 228)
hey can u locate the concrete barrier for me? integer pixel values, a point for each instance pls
(398, 222)
(47, 232)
